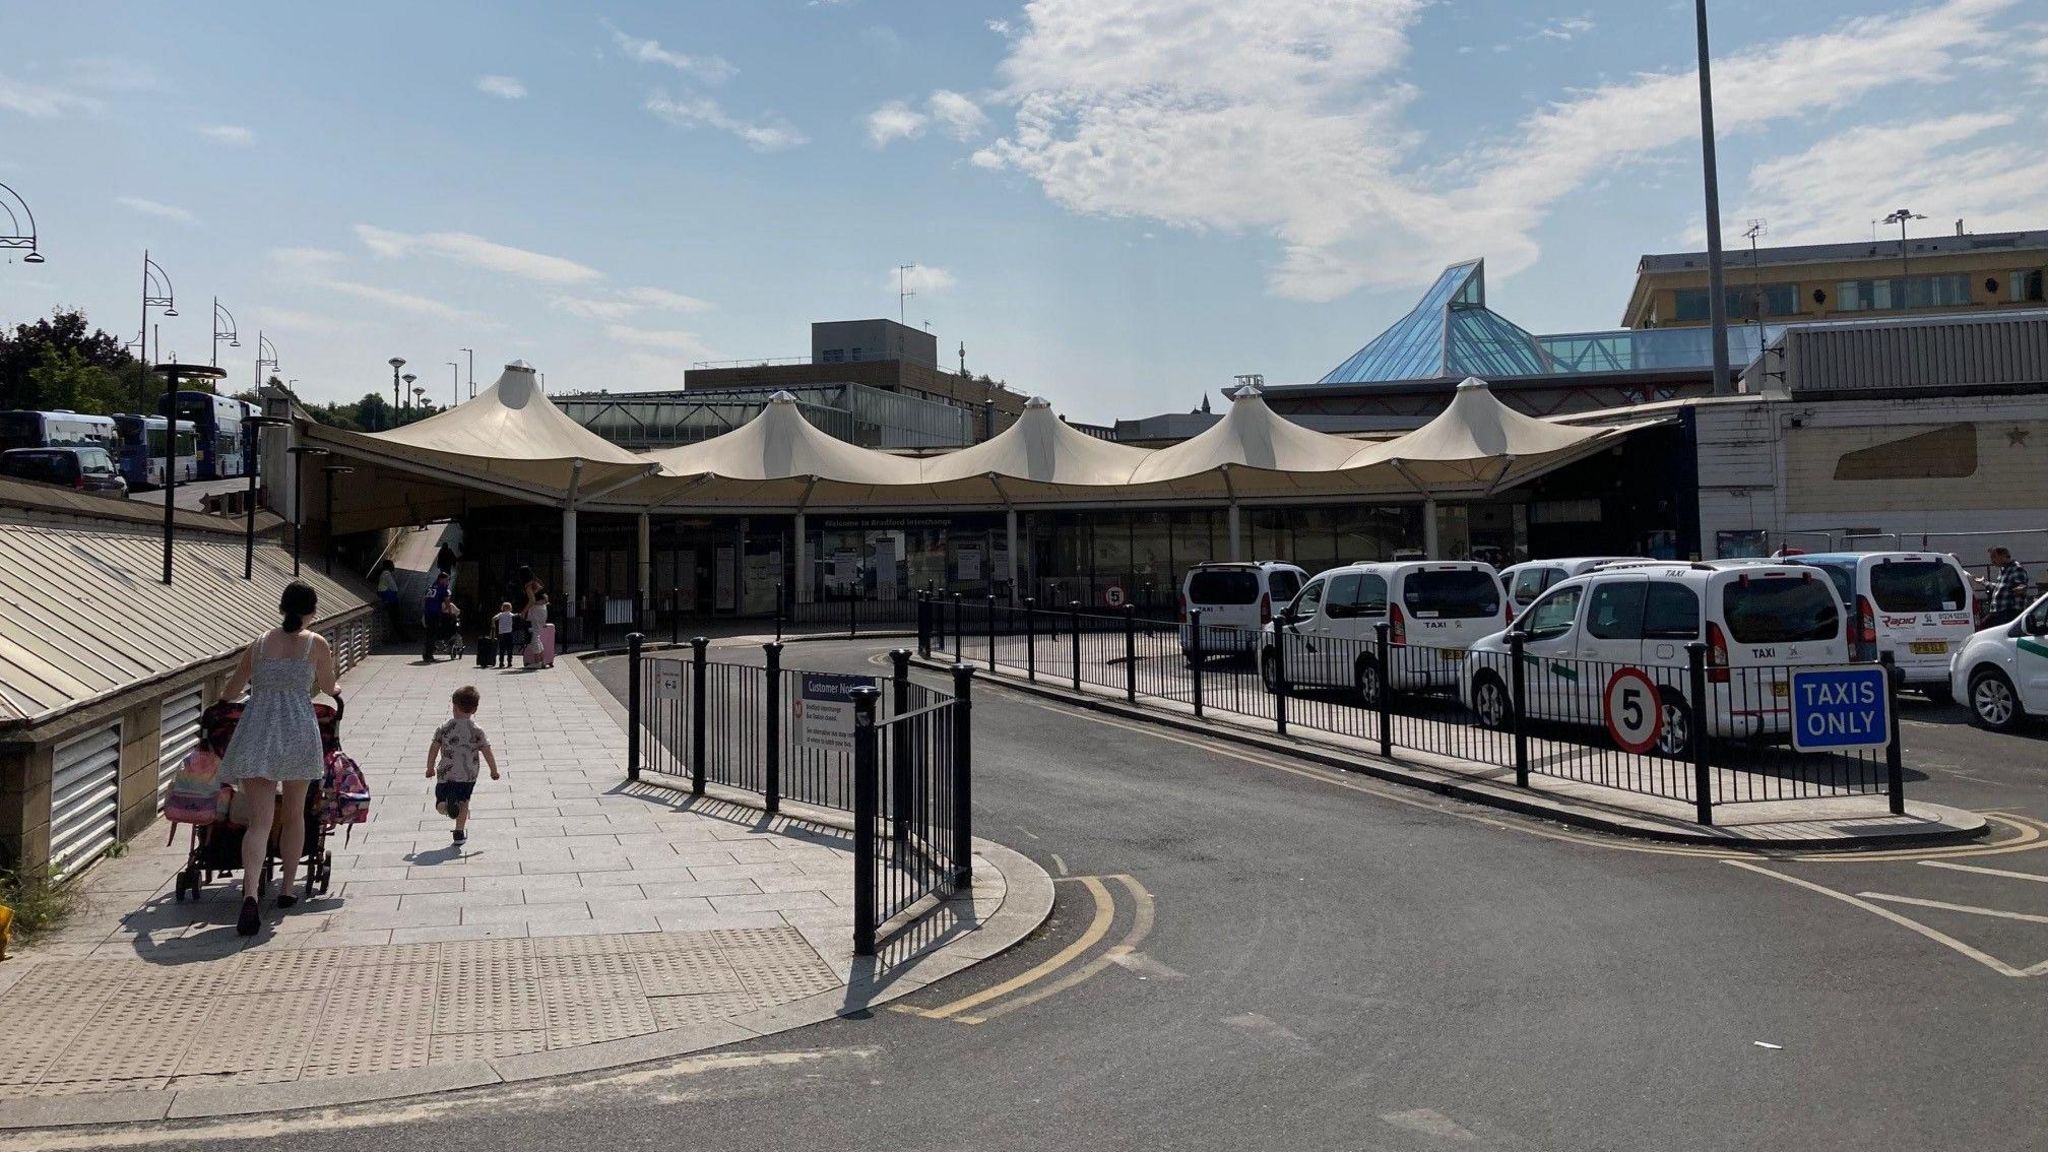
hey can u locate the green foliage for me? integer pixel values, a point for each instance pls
(40, 903)
(59, 363)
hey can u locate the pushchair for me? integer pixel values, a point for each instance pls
(217, 847)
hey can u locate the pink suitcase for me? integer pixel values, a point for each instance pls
(547, 645)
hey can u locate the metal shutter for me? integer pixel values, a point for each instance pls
(85, 799)
(180, 728)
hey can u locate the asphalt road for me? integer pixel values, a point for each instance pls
(1335, 964)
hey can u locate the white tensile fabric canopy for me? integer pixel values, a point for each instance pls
(1477, 440)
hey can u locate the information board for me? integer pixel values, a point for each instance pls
(823, 709)
(1841, 709)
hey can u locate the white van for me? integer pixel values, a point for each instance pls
(1434, 611)
(1917, 606)
(1756, 620)
(2003, 671)
(1531, 578)
(1236, 601)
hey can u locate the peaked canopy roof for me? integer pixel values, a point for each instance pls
(1450, 332)
(1040, 448)
(509, 432)
(1477, 440)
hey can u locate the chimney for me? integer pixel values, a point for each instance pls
(1959, 225)
(988, 419)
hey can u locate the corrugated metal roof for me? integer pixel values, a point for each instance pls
(83, 613)
(1932, 356)
(53, 500)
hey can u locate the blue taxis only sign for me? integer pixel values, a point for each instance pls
(1842, 709)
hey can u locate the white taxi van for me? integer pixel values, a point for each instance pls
(2002, 672)
(1434, 611)
(1916, 607)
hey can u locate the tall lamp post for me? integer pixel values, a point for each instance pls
(1900, 217)
(156, 293)
(15, 238)
(261, 345)
(472, 370)
(172, 373)
(454, 384)
(228, 333)
(410, 390)
(1717, 290)
(396, 363)
(258, 424)
(331, 471)
(301, 451)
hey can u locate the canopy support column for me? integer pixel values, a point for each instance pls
(641, 614)
(569, 548)
(801, 563)
(1010, 525)
(1236, 538)
(1429, 539)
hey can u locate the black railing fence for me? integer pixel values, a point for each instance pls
(901, 762)
(1681, 731)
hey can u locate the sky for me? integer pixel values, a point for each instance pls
(1116, 204)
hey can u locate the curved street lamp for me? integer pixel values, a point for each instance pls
(234, 338)
(156, 293)
(261, 344)
(15, 238)
(396, 363)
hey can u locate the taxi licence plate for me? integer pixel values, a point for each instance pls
(1929, 647)
(1454, 653)
(1780, 689)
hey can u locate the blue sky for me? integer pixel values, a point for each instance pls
(1114, 203)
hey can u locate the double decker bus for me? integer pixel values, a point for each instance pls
(217, 425)
(60, 428)
(144, 454)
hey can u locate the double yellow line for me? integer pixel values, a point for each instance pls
(1049, 978)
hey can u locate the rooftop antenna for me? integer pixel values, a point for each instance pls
(903, 293)
(963, 357)
(1757, 228)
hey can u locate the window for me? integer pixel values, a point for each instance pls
(1780, 610)
(2024, 286)
(1553, 615)
(1372, 595)
(1222, 586)
(1284, 585)
(1780, 299)
(1305, 605)
(856, 354)
(1745, 302)
(1343, 596)
(832, 356)
(1842, 576)
(95, 462)
(1529, 582)
(1671, 611)
(1616, 610)
(1460, 594)
(1944, 291)
(1917, 586)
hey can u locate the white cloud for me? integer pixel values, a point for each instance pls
(1290, 118)
(629, 302)
(922, 279)
(1945, 167)
(42, 102)
(664, 299)
(464, 248)
(1565, 27)
(894, 121)
(709, 69)
(503, 87)
(961, 117)
(771, 135)
(393, 298)
(663, 339)
(999, 27)
(233, 135)
(152, 208)
(306, 259)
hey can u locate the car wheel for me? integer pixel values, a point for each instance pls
(1367, 677)
(1675, 734)
(1940, 693)
(1993, 703)
(1491, 703)
(1269, 670)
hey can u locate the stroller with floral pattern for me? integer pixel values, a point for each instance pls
(217, 839)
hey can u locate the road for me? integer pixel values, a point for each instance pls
(1250, 953)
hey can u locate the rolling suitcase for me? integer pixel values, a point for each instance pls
(547, 645)
(486, 650)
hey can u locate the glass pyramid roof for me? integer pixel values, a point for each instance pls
(1450, 333)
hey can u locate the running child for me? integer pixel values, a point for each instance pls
(452, 759)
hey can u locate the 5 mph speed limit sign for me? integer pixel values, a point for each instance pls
(1635, 714)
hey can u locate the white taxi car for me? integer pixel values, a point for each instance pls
(2002, 672)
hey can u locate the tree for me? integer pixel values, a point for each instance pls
(372, 414)
(58, 363)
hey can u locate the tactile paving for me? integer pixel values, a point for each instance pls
(486, 999)
(287, 970)
(255, 1037)
(593, 1009)
(585, 964)
(461, 1046)
(776, 964)
(40, 1024)
(686, 970)
(685, 1011)
(134, 1036)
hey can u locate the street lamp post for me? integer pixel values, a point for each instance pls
(233, 337)
(1900, 217)
(261, 359)
(331, 471)
(472, 370)
(14, 238)
(156, 293)
(172, 373)
(299, 514)
(410, 390)
(258, 424)
(454, 384)
(1717, 291)
(396, 363)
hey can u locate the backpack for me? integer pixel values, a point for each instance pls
(194, 797)
(344, 794)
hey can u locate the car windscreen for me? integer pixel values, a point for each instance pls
(1224, 586)
(1286, 585)
(96, 462)
(1841, 575)
(1780, 610)
(1464, 594)
(1917, 586)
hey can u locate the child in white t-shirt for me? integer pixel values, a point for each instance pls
(507, 623)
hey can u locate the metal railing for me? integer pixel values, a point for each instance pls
(1698, 735)
(903, 768)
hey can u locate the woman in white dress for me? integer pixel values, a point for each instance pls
(277, 743)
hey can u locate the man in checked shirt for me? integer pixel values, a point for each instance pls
(2005, 593)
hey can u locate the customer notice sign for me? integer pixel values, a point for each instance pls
(823, 709)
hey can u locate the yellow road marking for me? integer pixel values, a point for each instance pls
(1141, 927)
(1105, 912)
(1942, 938)
(1972, 909)
(2034, 876)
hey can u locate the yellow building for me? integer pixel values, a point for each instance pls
(1932, 275)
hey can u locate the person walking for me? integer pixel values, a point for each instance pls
(275, 755)
(387, 591)
(431, 619)
(538, 652)
(2005, 593)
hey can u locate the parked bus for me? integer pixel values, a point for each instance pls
(143, 450)
(57, 429)
(217, 422)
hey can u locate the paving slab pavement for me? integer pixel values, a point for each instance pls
(588, 922)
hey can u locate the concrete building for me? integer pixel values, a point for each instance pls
(1926, 275)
